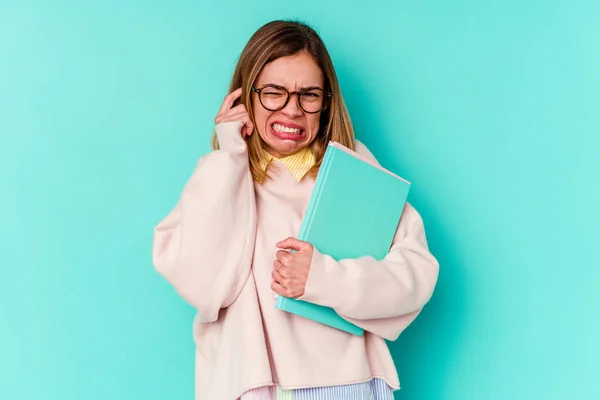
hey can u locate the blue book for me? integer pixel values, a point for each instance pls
(353, 211)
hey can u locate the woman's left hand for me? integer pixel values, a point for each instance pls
(290, 270)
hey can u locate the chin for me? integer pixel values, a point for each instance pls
(285, 148)
(289, 142)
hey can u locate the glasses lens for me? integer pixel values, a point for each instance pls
(273, 98)
(312, 100)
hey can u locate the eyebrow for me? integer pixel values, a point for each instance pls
(302, 88)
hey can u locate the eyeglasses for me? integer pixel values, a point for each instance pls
(310, 100)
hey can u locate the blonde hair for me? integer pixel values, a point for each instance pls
(281, 39)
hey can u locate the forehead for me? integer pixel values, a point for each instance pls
(293, 72)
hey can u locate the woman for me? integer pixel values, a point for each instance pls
(225, 246)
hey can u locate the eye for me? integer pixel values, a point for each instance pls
(273, 92)
(311, 96)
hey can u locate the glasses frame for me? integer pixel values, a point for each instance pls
(298, 93)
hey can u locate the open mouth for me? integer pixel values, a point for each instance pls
(287, 132)
(284, 129)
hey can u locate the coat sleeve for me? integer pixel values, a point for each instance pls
(204, 246)
(381, 296)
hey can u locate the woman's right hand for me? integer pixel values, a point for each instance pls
(227, 113)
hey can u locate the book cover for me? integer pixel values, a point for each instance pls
(353, 211)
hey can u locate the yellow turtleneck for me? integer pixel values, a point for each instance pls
(297, 164)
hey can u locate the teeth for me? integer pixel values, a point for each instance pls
(281, 128)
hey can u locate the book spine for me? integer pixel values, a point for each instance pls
(314, 198)
(280, 301)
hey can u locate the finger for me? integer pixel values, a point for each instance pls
(282, 270)
(238, 111)
(241, 116)
(284, 257)
(240, 108)
(277, 266)
(280, 290)
(227, 117)
(278, 278)
(229, 100)
(292, 243)
(225, 106)
(248, 126)
(235, 112)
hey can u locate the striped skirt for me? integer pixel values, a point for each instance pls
(375, 389)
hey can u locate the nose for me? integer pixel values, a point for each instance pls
(292, 108)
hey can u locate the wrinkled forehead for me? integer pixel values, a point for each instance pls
(293, 72)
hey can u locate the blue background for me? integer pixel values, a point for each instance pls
(491, 109)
